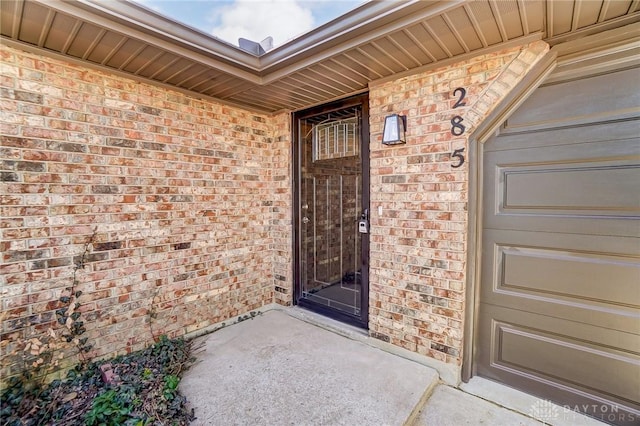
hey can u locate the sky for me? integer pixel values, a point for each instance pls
(253, 19)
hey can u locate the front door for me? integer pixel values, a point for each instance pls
(331, 168)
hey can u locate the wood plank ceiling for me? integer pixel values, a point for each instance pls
(375, 41)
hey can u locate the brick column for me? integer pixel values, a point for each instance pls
(419, 241)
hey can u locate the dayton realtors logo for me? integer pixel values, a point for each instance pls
(548, 412)
(545, 411)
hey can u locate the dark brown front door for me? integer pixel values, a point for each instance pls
(331, 170)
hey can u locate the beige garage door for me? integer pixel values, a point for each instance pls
(559, 311)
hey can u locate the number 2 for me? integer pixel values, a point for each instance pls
(460, 102)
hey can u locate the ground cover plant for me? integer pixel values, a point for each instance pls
(140, 388)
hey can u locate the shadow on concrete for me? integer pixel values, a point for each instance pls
(279, 370)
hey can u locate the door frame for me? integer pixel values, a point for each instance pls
(490, 126)
(361, 100)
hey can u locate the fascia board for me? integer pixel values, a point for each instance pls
(348, 23)
(367, 22)
(350, 32)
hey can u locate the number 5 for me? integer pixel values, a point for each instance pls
(458, 154)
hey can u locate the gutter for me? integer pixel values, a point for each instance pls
(372, 20)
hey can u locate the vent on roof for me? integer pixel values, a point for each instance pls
(254, 47)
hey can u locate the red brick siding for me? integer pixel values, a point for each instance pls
(189, 200)
(419, 243)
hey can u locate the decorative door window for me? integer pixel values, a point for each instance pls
(336, 139)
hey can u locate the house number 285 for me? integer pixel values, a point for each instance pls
(457, 128)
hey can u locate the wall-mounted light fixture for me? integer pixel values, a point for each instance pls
(394, 129)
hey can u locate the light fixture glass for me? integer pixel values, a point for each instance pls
(394, 129)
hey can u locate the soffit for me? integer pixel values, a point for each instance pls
(373, 42)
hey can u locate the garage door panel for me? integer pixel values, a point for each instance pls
(627, 245)
(558, 352)
(625, 345)
(574, 189)
(616, 130)
(564, 188)
(582, 282)
(575, 274)
(565, 360)
(541, 110)
(567, 224)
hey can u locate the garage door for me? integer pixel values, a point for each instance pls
(559, 306)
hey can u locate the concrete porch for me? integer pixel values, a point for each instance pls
(280, 369)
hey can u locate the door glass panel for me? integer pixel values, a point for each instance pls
(330, 207)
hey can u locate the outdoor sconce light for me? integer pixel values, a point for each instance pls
(394, 129)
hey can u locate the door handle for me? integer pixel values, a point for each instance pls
(305, 220)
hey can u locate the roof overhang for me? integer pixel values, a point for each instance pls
(375, 41)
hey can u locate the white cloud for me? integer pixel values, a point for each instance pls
(258, 19)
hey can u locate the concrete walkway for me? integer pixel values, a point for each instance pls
(276, 369)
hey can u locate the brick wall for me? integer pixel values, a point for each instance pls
(189, 201)
(419, 242)
(281, 221)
